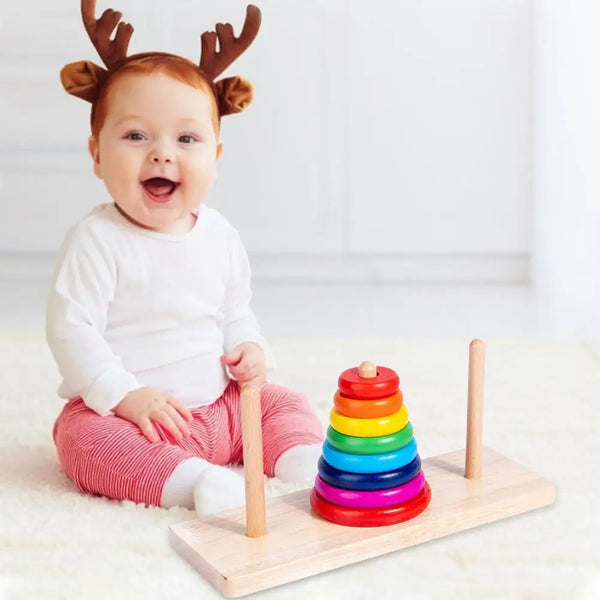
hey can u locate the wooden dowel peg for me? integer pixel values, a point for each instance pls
(475, 409)
(367, 369)
(256, 523)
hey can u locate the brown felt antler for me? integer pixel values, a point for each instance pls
(112, 52)
(85, 79)
(214, 62)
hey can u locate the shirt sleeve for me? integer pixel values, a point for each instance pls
(239, 322)
(76, 315)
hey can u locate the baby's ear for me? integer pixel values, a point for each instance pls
(95, 154)
(83, 79)
(234, 95)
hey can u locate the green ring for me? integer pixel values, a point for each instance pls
(370, 445)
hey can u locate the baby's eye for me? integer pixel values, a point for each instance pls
(187, 139)
(136, 136)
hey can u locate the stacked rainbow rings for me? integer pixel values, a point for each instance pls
(370, 471)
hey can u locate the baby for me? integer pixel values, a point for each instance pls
(148, 316)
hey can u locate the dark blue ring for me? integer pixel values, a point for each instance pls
(368, 481)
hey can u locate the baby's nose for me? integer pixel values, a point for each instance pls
(162, 152)
(161, 157)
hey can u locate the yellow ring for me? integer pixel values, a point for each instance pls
(369, 427)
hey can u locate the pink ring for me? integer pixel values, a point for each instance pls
(377, 499)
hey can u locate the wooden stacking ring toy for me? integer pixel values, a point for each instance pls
(367, 409)
(369, 427)
(369, 463)
(370, 445)
(368, 481)
(371, 517)
(377, 499)
(383, 384)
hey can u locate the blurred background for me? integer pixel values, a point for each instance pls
(409, 168)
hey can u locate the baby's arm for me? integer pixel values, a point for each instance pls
(76, 314)
(83, 286)
(247, 353)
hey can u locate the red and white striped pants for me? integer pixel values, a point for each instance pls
(110, 456)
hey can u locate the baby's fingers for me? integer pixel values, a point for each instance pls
(178, 420)
(253, 371)
(164, 419)
(184, 411)
(257, 380)
(147, 428)
(241, 371)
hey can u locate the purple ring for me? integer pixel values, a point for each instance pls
(372, 499)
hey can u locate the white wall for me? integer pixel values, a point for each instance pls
(397, 129)
(567, 176)
(438, 127)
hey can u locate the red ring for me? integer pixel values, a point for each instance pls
(368, 409)
(371, 517)
(352, 385)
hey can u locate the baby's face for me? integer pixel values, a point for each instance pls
(157, 150)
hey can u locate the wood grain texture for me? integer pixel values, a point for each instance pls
(300, 544)
(475, 409)
(256, 523)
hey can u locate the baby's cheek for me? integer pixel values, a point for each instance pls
(206, 158)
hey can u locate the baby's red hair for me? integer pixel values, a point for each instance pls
(174, 66)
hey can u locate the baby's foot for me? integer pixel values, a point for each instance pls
(218, 488)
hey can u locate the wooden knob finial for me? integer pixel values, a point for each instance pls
(367, 369)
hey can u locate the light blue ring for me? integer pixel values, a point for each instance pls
(369, 463)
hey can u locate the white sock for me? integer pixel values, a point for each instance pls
(299, 464)
(218, 488)
(179, 488)
(196, 483)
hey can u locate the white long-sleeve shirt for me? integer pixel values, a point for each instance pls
(130, 307)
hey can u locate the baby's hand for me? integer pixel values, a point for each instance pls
(147, 405)
(247, 364)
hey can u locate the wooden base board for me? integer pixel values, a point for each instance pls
(299, 543)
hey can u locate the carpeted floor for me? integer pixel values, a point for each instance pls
(542, 409)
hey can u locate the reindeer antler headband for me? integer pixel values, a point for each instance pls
(85, 79)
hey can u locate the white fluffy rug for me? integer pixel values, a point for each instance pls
(542, 409)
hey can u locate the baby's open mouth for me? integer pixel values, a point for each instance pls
(160, 189)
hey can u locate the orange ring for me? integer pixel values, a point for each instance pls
(367, 409)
